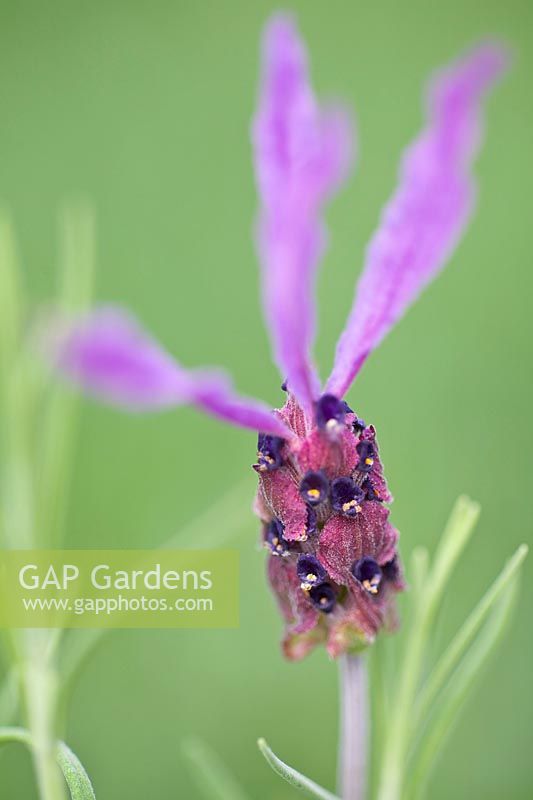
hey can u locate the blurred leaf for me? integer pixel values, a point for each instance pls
(18, 455)
(8, 735)
(213, 778)
(8, 698)
(77, 646)
(456, 535)
(453, 698)
(465, 635)
(18, 392)
(59, 416)
(76, 777)
(221, 521)
(397, 736)
(292, 776)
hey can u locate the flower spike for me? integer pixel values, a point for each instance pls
(109, 355)
(426, 216)
(302, 153)
(322, 500)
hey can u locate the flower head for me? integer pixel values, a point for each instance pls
(333, 563)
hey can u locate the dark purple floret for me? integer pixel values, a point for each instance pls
(274, 538)
(284, 386)
(391, 570)
(310, 571)
(323, 597)
(370, 490)
(314, 488)
(365, 451)
(330, 412)
(268, 452)
(368, 573)
(358, 425)
(346, 497)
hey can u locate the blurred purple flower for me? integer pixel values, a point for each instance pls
(322, 497)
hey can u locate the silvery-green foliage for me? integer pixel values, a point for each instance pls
(76, 778)
(421, 710)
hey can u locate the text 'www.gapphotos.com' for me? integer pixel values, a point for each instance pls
(116, 605)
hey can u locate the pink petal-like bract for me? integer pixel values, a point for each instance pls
(302, 152)
(109, 355)
(426, 216)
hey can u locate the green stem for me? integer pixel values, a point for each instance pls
(39, 686)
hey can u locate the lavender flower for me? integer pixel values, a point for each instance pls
(322, 498)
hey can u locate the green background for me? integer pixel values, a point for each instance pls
(145, 108)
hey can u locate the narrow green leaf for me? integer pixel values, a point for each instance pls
(8, 698)
(12, 734)
(219, 523)
(17, 466)
(60, 412)
(77, 646)
(76, 777)
(453, 698)
(17, 399)
(465, 635)
(456, 535)
(77, 780)
(397, 742)
(292, 776)
(214, 779)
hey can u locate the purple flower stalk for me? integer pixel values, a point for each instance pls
(322, 500)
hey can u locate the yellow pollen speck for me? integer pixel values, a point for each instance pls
(369, 461)
(314, 493)
(306, 586)
(370, 587)
(311, 577)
